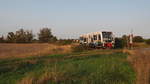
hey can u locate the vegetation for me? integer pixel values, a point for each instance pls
(9, 50)
(88, 67)
(125, 39)
(2, 40)
(80, 48)
(21, 36)
(45, 35)
(120, 43)
(138, 39)
(65, 41)
(148, 41)
(26, 36)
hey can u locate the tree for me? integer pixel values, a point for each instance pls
(2, 40)
(45, 35)
(125, 40)
(53, 39)
(138, 39)
(119, 43)
(21, 36)
(11, 38)
(29, 36)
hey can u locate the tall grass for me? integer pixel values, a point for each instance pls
(32, 49)
(90, 68)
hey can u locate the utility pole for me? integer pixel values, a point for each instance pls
(131, 40)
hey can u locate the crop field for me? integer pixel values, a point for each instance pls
(88, 67)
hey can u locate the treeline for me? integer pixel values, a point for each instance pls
(26, 36)
(123, 41)
(140, 39)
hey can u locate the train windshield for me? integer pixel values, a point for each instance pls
(107, 35)
(83, 39)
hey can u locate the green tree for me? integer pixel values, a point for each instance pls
(29, 36)
(138, 39)
(11, 38)
(21, 36)
(119, 43)
(45, 35)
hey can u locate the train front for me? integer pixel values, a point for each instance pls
(108, 39)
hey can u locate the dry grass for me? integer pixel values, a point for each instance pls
(47, 75)
(140, 59)
(36, 49)
(141, 45)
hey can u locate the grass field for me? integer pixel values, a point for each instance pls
(33, 49)
(89, 67)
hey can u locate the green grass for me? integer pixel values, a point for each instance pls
(68, 69)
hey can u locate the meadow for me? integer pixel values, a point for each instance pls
(14, 50)
(88, 67)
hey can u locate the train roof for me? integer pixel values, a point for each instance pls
(92, 33)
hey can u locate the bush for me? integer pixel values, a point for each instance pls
(64, 41)
(148, 41)
(119, 43)
(79, 48)
(138, 39)
(125, 38)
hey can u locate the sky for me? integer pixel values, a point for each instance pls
(71, 18)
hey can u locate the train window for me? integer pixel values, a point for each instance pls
(85, 39)
(81, 38)
(95, 37)
(99, 36)
(107, 34)
(91, 39)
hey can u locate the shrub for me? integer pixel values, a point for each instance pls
(138, 39)
(119, 43)
(79, 48)
(125, 38)
(65, 41)
(148, 41)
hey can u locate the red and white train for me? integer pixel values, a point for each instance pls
(104, 39)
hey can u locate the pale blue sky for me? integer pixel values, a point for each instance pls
(70, 18)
